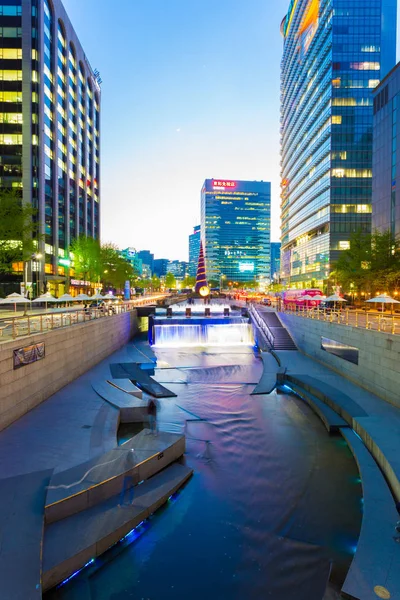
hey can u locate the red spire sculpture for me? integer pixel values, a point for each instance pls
(201, 280)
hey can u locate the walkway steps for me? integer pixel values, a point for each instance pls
(282, 338)
(21, 530)
(131, 409)
(141, 378)
(330, 418)
(377, 558)
(71, 543)
(94, 481)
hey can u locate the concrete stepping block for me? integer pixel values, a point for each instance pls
(131, 409)
(71, 543)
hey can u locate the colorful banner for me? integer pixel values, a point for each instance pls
(28, 355)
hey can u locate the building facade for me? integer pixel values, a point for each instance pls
(49, 130)
(275, 260)
(386, 155)
(160, 267)
(131, 256)
(178, 268)
(147, 259)
(194, 249)
(335, 53)
(235, 229)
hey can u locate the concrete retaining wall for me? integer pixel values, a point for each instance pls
(69, 352)
(378, 369)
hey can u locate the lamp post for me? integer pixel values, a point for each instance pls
(221, 277)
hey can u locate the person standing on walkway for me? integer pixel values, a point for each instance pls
(152, 412)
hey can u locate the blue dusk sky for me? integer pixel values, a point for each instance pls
(190, 91)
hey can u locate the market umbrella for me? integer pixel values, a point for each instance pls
(97, 297)
(335, 298)
(47, 297)
(307, 298)
(80, 297)
(66, 298)
(15, 299)
(382, 299)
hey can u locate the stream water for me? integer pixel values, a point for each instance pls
(273, 506)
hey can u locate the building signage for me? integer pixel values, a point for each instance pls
(79, 282)
(222, 184)
(28, 355)
(246, 267)
(65, 262)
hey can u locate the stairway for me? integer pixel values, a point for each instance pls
(282, 338)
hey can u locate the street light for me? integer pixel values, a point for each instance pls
(221, 277)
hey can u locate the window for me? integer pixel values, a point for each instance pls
(10, 118)
(10, 32)
(344, 245)
(336, 120)
(11, 53)
(11, 139)
(10, 11)
(10, 75)
(10, 96)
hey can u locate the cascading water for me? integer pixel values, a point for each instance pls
(205, 334)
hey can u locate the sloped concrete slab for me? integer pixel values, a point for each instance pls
(96, 480)
(132, 410)
(268, 379)
(69, 544)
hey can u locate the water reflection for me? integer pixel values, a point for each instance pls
(273, 504)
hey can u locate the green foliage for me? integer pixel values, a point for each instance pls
(213, 283)
(170, 281)
(115, 269)
(371, 264)
(155, 283)
(18, 229)
(86, 258)
(188, 282)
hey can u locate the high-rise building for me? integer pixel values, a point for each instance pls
(147, 259)
(235, 229)
(160, 267)
(386, 155)
(178, 268)
(194, 249)
(335, 53)
(275, 260)
(130, 255)
(49, 129)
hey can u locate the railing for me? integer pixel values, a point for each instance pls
(388, 323)
(261, 324)
(14, 327)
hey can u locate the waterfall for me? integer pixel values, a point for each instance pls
(207, 334)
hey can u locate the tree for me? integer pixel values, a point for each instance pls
(188, 282)
(170, 281)
(354, 264)
(115, 270)
(155, 283)
(86, 258)
(18, 230)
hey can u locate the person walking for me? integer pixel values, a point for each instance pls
(152, 412)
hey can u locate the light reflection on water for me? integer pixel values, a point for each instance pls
(273, 500)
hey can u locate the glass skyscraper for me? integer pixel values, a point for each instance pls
(335, 53)
(49, 129)
(235, 229)
(194, 249)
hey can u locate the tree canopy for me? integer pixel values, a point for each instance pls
(18, 230)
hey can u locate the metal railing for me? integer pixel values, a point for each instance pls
(375, 321)
(261, 324)
(12, 326)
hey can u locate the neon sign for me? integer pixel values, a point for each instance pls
(223, 184)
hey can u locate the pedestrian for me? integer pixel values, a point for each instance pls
(129, 480)
(152, 412)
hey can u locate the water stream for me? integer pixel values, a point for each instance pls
(273, 505)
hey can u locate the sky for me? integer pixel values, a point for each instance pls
(190, 91)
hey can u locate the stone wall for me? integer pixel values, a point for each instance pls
(378, 369)
(69, 352)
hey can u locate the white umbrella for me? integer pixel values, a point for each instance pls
(80, 297)
(97, 297)
(382, 299)
(335, 298)
(47, 297)
(15, 299)
(307, 297)
(66, 298)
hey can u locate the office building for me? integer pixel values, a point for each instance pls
(335, 53)
(147, 259)
(178, 268)
(386, 155)
(160, 267)
(130, 255)
(49, 130)
(275, 260)
(194, 249)
(235, 229)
